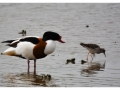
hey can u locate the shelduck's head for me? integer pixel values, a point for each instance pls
(49, 35)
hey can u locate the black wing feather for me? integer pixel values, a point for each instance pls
(8, 41)
(13, 43)
(33, 40)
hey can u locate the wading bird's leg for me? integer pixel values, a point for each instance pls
(87, 56)
(91, 57)
(34, 66)
(28, 61)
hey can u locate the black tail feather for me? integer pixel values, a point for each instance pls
(8, 41)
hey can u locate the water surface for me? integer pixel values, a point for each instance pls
(70, 21)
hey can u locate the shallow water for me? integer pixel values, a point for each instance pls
(70, 21)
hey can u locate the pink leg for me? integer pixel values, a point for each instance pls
(87, 56)
(28, 61)
(91, 57)
(35, 66)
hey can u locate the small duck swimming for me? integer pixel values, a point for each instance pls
(23, 32)
(72, 60)
(82, 61)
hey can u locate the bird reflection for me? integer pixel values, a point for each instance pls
(30, 79)
(92, 68)
(96, 66)
(35, 79)
(41, 79)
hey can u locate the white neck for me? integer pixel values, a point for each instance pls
(50, 47)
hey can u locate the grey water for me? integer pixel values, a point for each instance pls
(75, 22)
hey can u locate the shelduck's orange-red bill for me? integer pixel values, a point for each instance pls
(61, 40)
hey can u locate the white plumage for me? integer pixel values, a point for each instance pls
(33, 47)
(25, 49)
(50, 47)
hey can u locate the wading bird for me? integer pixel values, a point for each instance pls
(93, 48)
(33, 47)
